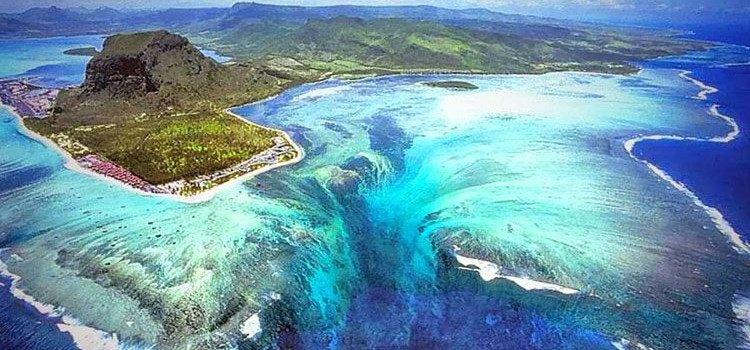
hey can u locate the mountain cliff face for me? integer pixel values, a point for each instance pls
(150, 63)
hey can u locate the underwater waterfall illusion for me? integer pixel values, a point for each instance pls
(508, 217)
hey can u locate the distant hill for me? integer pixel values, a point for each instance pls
(356, 45)
(10, 26)
(385, 43)
(52, 14)
(55, 20)
(376, 39)
(243, 10)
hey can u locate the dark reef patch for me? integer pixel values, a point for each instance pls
(389, 139)
(339, 129)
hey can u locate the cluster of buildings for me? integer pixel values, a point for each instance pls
(27, 100)
(104, 167)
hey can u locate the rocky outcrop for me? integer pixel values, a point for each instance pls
(138, 64)
(159, 74)
(155, 73)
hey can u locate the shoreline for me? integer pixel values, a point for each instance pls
(71, 164)
(720, 222)
(705, 89)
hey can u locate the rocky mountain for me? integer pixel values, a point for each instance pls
(149, 63)
(156, 73)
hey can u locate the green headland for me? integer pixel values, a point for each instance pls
(82, 51)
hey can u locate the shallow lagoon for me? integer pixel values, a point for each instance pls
(355, 245)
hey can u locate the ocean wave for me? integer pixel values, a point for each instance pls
(624, 344)
(741, 308)
(734, 64)
(251, 327)
(705, 89)
(716, 216)
(319, 93)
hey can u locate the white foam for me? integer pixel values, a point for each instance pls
(624, 344)
(489, 271)
(741, 307)
(84, 337)
(736, 64)
(251, 327)
(716, 216)
(324, 92)
(705, 89)
(528, 284)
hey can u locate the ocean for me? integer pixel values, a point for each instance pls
(507, 217)
(718, 172)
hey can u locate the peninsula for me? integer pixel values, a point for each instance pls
(152, 113)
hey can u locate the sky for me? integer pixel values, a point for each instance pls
(625, 11)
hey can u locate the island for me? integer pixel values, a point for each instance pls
(82, 51)
(451, 84)
(153, 113)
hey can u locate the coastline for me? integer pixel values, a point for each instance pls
(705, 89)
(716, 216)
(71, 164)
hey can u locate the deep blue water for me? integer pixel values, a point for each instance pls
(22, 327)
(718, 173)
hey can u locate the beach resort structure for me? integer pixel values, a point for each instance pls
(107, 168)
(281, 151)
(27, 100)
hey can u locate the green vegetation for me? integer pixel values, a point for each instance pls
(164, 149)
(155, 105)
(462, 85)
(344, 45)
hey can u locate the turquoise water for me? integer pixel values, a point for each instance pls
(43, 59)
(215, 56)
(354, 246)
